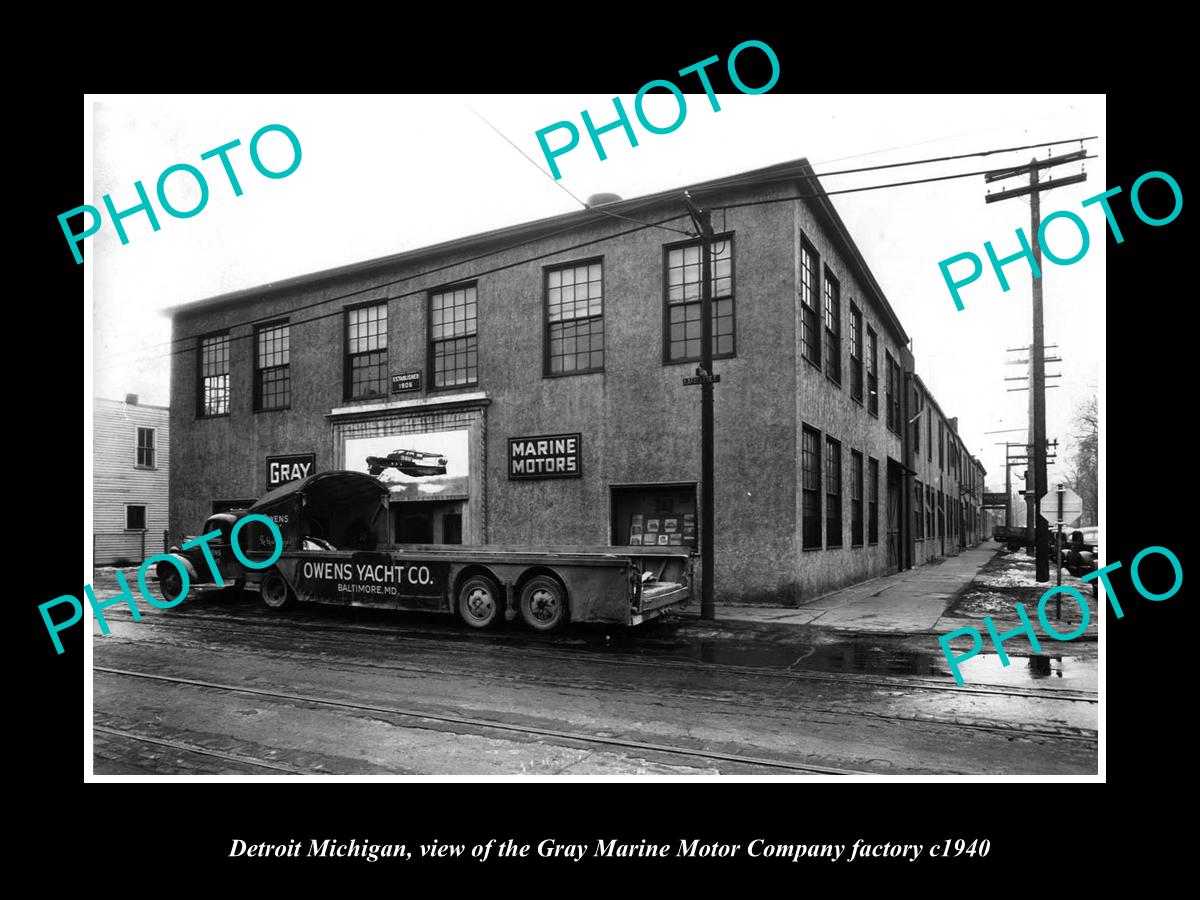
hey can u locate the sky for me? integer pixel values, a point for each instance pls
(381, 174)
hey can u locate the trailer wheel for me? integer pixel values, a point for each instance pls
(275, 591)
(479, 603)
(543, 603)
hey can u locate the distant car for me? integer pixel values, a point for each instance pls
(1080, 550)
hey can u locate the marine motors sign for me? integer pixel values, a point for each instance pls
(545, 456)
(282, 469)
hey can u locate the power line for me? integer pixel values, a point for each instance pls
(639, 227)
(873, 187)
(562, 186)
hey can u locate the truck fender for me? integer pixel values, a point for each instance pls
(193, 576)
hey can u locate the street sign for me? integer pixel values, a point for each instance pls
(1069, 505)
(701, 379)
(995, 501)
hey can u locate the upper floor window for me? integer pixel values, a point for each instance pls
(872, 372)
(856, 363)
(891, 399)
(145, 447)
(810, 304)
(941, 442)
(575, 319)
(453, 336)
(916, 432)
(684, 265)
(366, 372)
(833, 328)
(213, 395)
(272, 368)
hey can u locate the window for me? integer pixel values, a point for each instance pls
(916, 425)
(872, 373)
(145, 448)
(453, 316)
(654, 514)
(833, 328)
(941, 514)
(833, 493)
(941, 441)
(810, 305)
(574, 319)
(272, 371)
(213, 396)
(872, 500)
(366, 352)
(811, 486)
(929, 437)
(919, 508)
(856, 365)
(683, 264)
(856, 498)
(929, 511)
(889, 399)
(897, 381)
(135, 518)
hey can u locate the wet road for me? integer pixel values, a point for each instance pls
(218, 686)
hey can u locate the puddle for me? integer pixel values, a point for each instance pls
(1069, 672)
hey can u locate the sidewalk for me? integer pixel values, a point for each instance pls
(910, 602)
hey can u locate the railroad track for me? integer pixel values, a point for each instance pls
(184, 747)
(1007, 729)
(468, 643)
(432, 720)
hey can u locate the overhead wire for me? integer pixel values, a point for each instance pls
(639, 226)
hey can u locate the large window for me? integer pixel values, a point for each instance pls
(213, 395)
(919, 509)
(889, 399)
(856, 498)
(810, 305)
(856, 363)
(872, 500)
(683, 265)
(833, 328)
(929, 436)
(897, 381)
(272, 369)
(366, 352)
(145, 448)
(916, 425)
(872, 373)
(453, 336)
(661, 515)
(929, 501)
(811, 485)
(575, 318)
(941, 442)
(833, 493)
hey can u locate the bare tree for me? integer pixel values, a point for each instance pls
(1084, 477)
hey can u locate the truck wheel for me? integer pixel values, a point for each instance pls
(479, 603)
(543, 603)
(170, 582)
(275, 591)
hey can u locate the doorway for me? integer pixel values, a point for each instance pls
(427, 523)
(893, 516)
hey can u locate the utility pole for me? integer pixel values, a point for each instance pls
(1037, 356)
(702, 218)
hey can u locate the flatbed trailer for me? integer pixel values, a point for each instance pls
(336, 551)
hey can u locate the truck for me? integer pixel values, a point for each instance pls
(337, 549)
